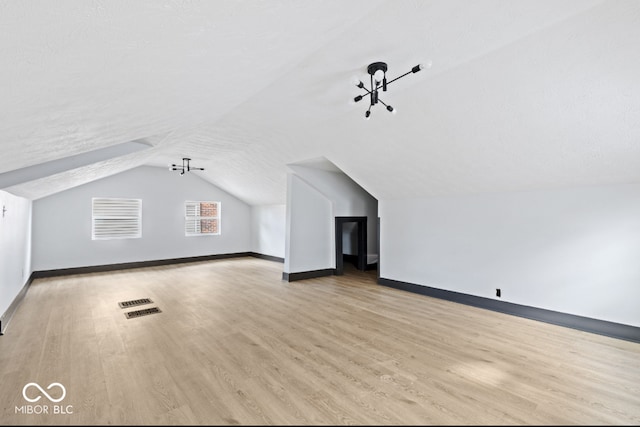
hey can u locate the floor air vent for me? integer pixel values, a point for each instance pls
(144, 312)
(134, 302)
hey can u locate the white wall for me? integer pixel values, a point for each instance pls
(575, 251)
(62, 222)
(309, 242)
(15, 247)
(348, 198)
(268, 225)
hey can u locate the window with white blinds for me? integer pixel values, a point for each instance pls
(202, 218)
(116, 218)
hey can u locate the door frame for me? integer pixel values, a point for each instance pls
(361, 225)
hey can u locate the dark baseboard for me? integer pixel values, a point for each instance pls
(7, 315)
(586, 324)
(141, 264)
(267, 257)
(291, 277)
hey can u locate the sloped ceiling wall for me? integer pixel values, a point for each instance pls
(521, 95)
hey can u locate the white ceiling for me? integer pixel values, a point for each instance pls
(521, 95)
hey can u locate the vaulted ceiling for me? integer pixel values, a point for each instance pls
(520, 95)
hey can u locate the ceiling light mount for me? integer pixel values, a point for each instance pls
(377, 66)
(186, 167)
(378, 78)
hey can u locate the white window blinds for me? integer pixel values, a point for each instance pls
(202, 218)
(116, 218)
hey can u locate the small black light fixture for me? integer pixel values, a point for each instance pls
(378, 77)
(186, 167)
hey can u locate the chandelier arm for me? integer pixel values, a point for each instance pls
(382, 102)
(391, 81)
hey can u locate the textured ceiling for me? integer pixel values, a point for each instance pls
(520, 95)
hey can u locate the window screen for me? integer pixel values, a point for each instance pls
(116, 218)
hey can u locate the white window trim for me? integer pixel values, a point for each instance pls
(125, 216)
(196, 218)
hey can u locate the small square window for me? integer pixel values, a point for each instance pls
(202, 218)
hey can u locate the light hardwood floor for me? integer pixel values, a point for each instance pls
(235, 344)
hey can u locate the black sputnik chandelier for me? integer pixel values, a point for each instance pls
(378, 77)
(186, 167)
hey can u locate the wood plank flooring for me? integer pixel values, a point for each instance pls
(235, 344)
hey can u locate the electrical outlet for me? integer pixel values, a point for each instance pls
(498, 293)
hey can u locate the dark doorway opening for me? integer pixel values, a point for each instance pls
(360, 257)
